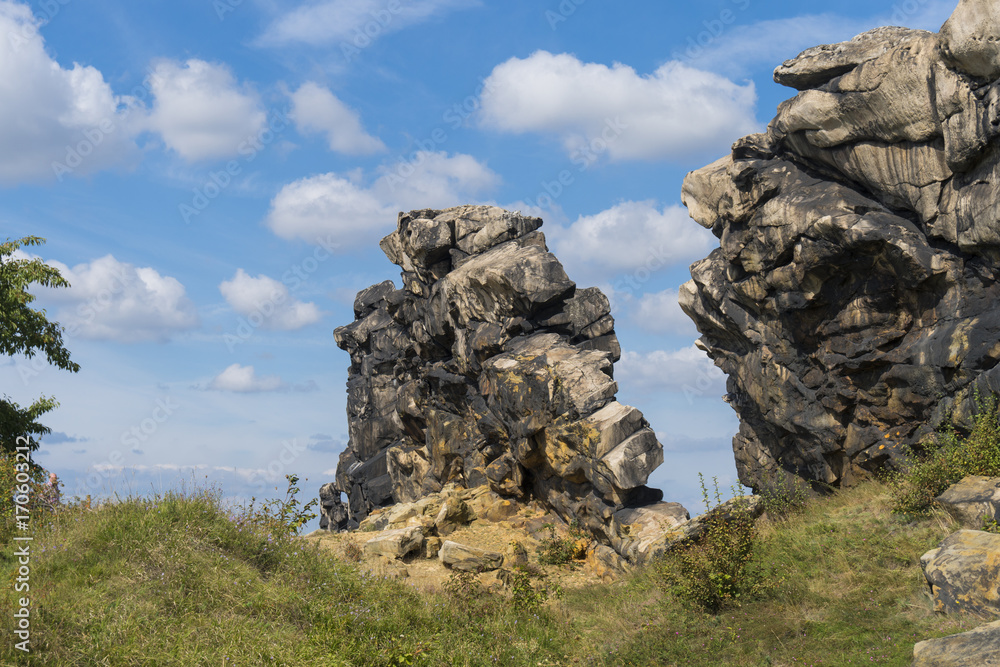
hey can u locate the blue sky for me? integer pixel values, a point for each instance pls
(213, 177)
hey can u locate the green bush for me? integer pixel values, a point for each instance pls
(948, 459)
(555, 550)
(784, 497)
(721, 567)
(470, 595)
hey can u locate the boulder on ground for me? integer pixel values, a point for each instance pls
(470, 559)
(603, 562)
(976, 648)
(972, 500)
(964, 573)
(454, 513)
(396, 543)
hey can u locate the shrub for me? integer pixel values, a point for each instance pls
(471, 595)
(948, 459)
(719, 568)
(785, 497)
(555, 550)
(282, 516)
(525, 594)
(353, 552)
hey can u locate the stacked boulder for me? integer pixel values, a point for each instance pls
(489, 367)
(854, 301)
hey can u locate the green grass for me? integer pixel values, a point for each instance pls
(178, 580)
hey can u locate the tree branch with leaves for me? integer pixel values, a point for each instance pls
(24, 330)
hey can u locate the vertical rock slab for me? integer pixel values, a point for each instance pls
(489, 367)
(854, 298)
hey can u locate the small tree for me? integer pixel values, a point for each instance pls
(26, 331)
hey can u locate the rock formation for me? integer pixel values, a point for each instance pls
(489, 367)
(854, 299)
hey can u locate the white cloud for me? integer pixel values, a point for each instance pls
(112, 300)
(629, 237)
(594, 109)
(244, 380)
(201, 111)
(688, 371)
(323, 22)
(740, 50)
(270, 300)
(316, 109)
(660, 313)
(51, 115)
(354, 214)
(766, 44)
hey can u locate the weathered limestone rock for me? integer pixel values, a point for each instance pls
(454, 512)
(432, 547)
(659, 528)
(470, 559)
(333, 512)
(854, 300)
(972, 500)
(396, 543)
(652, 528)
(972, 38)
(489, 369)
(976, 648)
(964, 573)
(604, 563)
(515, 554)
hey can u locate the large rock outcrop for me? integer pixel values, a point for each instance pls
(854, 299)
(489, 367)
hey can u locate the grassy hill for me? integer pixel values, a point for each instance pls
(179, 580)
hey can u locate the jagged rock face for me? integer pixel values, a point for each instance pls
(489, 368)
(853, 300)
